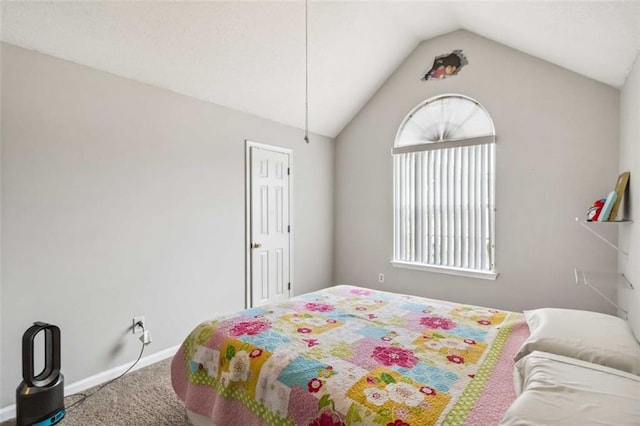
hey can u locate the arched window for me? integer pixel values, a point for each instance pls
(444, 190)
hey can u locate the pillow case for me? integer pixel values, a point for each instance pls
(557, 390)
(590, 336)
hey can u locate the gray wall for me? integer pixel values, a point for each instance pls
(557, 151)
(630, 160)
(120, 199)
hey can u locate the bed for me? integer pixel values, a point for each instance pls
(576, 368)
(348, 355)
(563, 391)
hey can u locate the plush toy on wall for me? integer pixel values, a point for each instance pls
(594, 211)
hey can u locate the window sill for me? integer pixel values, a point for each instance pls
(446, 270)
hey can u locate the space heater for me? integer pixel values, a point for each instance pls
(40, 399)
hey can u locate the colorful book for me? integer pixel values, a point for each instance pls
(608, 205)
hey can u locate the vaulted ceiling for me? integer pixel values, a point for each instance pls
(250, 56)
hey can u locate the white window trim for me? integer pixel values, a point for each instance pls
(462, 272)
(453, 143)
(479, 140)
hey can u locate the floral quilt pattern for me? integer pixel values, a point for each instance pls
(346, 356)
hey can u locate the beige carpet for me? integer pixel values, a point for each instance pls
(143, 398)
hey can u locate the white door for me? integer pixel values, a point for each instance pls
(269, 233)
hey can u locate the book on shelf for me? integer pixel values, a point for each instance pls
(605, 214)
(621, 186)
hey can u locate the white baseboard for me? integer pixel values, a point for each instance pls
(9, 412)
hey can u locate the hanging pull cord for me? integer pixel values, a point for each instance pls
(306, 71)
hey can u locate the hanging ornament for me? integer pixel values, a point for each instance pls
(306, 71)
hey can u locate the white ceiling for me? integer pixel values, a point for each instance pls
(250, 55)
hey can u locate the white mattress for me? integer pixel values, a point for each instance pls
(556, 390)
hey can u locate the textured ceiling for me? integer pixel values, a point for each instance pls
(250, 55)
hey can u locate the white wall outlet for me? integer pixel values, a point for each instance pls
(380, 278)
(136, 328)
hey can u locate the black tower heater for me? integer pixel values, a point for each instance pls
(40, 399)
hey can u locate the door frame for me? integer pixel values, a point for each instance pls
(247, 214)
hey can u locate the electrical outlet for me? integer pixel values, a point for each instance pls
(136, 328)
(380, 278)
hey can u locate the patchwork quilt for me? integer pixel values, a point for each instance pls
(352, 356)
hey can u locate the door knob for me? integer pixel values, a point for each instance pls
(256, 245)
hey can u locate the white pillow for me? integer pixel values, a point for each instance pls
(590, 336)
(561, 391)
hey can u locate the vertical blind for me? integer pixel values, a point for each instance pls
(444, 203)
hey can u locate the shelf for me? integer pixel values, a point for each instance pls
(587, 225)
(609, 278)
(616, 279)
(589, 222)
